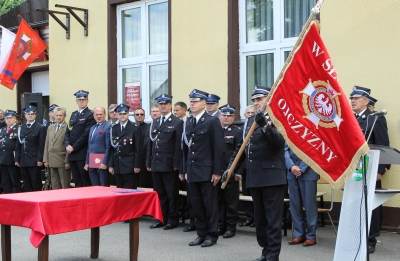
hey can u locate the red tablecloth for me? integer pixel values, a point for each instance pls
(64, 210)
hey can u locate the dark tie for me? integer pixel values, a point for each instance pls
(162, 120)
(28, 125)
(58, 127)
(122, 128)
(194, 121)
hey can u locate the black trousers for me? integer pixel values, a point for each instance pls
(268, 210)
(166, 185)
(31, 178)
(376, 220)
(145, 178)
(79, 174)
(204, 199)
(9, 179)
(228, 202)
(129, 181)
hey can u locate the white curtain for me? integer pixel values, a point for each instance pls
(158, 28)
(260, 72)
(131, 33)
(296, 13)
(259, 20)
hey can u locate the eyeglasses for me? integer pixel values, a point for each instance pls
(139, 114)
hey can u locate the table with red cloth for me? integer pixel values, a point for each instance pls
(58, 211)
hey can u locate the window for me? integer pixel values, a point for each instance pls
(142, 36)
(268, 31)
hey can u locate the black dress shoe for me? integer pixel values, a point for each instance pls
(261, 258)
(189, 228)
(169, 226)
(157, 225)
(197, 241)
(228, 234)
(371, 248)
(208, 243)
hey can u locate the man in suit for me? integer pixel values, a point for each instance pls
(125, 150)
(249, 112)
(98, 149)
(164, 160)
(8, 140)
(112, 114)
(212, 105)
(203, 145)
(180, 110)
(55, 154)
(76, 140)
(143, 128)
(302, 183)
(155, 112)
(360, 100)
(29, 151)
(229, 197)
(266, 178)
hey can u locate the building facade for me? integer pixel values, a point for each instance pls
(224, 47)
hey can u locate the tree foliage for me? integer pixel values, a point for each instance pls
(6, 5)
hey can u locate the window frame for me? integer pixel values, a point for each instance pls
(145, 60)
(278, 46)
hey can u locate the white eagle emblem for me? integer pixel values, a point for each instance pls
(321, 104)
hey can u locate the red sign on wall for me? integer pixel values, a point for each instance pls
(132, 95)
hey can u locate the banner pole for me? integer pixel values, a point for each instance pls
(229, 172)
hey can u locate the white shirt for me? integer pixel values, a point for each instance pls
(198, 116)
(166, 117)
(361, 113)
(80, 111)
(123, 125)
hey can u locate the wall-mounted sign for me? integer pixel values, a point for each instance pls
(132, 95)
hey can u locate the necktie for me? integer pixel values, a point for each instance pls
(58, 127)
(29, 125)
(94, 130)
(122, 128)
(162, 120)
(194, 121)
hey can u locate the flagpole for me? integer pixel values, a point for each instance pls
(229, 172)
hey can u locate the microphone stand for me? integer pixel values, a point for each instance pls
(365, 188)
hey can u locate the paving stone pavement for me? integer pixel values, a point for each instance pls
(172, 245)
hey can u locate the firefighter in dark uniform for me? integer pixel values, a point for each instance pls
(8, 141)
(203, 146)
(266, 178)
(125, 151)
(165, 160)
(76, 140)
(29, 150)
(360, 101)
(229, 197)
(212, 102)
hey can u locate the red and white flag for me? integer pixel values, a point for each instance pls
(6, 43)
(311, 110)
(26, 47)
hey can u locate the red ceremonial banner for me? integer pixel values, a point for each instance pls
(26, 48)
(311, 110)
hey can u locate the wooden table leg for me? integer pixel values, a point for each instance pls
(133, 239)
(6, 242)
(94, 242)
(43, 251)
